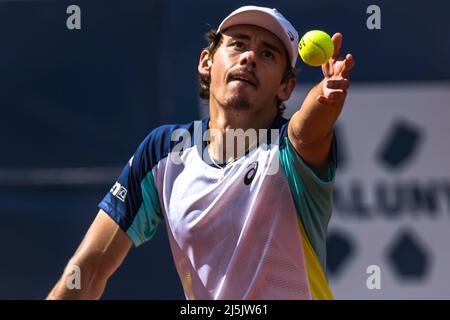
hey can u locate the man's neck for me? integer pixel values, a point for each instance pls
(226, 144)
(234, 118)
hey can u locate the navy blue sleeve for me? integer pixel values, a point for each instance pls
(133, 201)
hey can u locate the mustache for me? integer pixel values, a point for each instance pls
(246, 74)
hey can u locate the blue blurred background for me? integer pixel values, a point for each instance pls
(76, 103)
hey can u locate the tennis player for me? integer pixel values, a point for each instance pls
(246, 213)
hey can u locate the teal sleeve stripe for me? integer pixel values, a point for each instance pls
(312, 196)
(149, 214)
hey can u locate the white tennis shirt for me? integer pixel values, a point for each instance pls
(254, 229)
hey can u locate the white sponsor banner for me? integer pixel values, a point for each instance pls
(392, 194)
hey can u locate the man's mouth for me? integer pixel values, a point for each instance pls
(243, 77)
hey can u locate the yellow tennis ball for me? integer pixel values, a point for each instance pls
(315, 48)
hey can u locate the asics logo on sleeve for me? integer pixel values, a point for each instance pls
(251, 173)
(119, 192)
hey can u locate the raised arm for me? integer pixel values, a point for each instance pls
(311, 128)
(101, 252)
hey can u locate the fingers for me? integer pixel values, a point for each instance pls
(337, 66)
(327, 69)
(349, 63)
(341, 84)
(337, 41)
(337, 95)
(332, 97)
(342, 67)
(322, 100)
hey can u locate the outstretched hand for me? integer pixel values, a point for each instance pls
(336, 75)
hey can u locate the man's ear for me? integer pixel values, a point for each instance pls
(286, 88)
(204, 64)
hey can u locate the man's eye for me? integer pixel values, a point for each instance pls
(268, 54)
(238, 44)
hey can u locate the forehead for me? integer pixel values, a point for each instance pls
(256, 33)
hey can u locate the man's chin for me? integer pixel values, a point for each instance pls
(237, 102)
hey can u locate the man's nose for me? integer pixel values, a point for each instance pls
(248, 58)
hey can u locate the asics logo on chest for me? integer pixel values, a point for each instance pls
(251, 173)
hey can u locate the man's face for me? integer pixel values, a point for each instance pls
(248, 68)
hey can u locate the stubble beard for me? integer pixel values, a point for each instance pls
(235, 102)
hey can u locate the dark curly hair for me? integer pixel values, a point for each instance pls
(214, 39)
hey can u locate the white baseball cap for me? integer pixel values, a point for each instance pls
(269, 19)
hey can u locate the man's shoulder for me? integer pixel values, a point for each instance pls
(280, 124)
(160, 141)
(165, 130)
